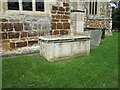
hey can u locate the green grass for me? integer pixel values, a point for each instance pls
(98, 70)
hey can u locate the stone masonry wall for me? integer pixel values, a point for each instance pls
(97, 23)
(19, 30)
(60, 24)
(102, 18)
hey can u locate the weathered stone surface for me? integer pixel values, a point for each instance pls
(58, 50)
(41, 33)
(12, 35)
(66, 17)
(4, 35)
(5, 46)
(53, 12)
(54, 8)
(58, 16)
(14, 20)
(61, 9)
(18, 26)
(77, 22)
(60, 12)
(67, 9)
(63, 32)
(59, 25)
(56, 32)
(3, 20)
(36, 26)
(66, 25)
(108, 33)
(65, 4)
(61, 18)
(97, 23)
(67, 13)
(64, 20)
(95, 37)
(53, 26)
(24, 34)
(32, 33)
(27, 26)
(15, 27)
(50, 32)
(53, 16)
(55, 20)
(7, 27)
(40, 26)
(4, 41)
(21, 44)
(12, 45)
(45, 26)
(30, 43)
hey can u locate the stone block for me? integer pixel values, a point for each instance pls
(21, 44)
(59, 26)
(66, 25)
(3, 20)
(41, 33)
(4, 35)
(53, 25)
(53, 16)
(24, 34)
(79, 26)
(58, 16)
(45, 26)
(18, 26)
(67, 9)
(63, 32)
(4, 41)
(54, 8)
(50, 32)
(67, 13)
(12, 35)
(27, 26)
(32, 33)
(53, 12)
(14, 20)
(12, 45)
(64, 20)
(7, 26)
(30, 43)
(66, 17)
(60, 12)
(35, 26)
(65, 4)
(61, 9)
(55, 20)
(40, 26)
(56, 32)
(5, 46)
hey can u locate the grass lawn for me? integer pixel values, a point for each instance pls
(98, 70)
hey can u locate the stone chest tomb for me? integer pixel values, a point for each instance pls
(55, 48)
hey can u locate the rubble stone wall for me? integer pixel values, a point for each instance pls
(98, 23)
